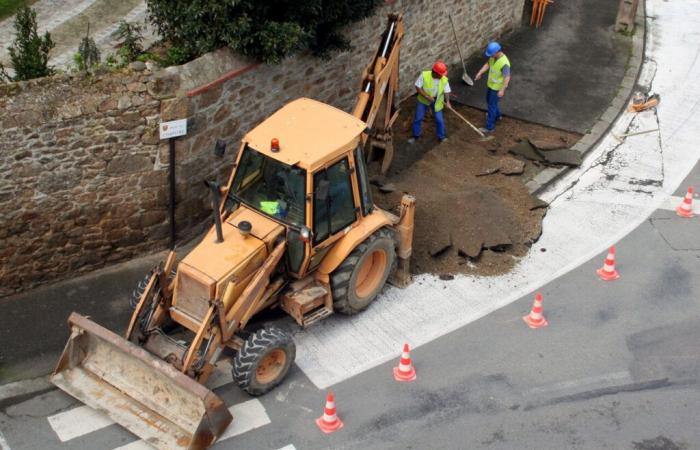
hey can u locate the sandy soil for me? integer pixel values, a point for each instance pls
(468, 218)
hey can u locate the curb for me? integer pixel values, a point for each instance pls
(601, 127)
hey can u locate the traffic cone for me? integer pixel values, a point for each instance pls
(405, 370)
(608, 272)
(535, 319)
(685, 209)
(329, 421)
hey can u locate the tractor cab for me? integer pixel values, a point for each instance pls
(295, 173)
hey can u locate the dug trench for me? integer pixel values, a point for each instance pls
(474, 214)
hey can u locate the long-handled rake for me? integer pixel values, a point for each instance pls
(483, 136)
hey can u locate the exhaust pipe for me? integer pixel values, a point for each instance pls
(216, 204)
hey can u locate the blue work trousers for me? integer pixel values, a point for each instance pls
(421, 109)
(494, 113)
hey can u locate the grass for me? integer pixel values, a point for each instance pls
(9, 7)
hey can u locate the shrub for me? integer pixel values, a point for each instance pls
(88, 55)
(29, 53)
(267, 30)
(130, 46)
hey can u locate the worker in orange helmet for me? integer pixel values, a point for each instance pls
(433, 93)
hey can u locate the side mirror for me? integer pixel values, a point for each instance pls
(322, 190)
(305, 234)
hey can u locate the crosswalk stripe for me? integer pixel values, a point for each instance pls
(671, 203)
(3, 443)
(77, 421)
(82, 420)
(246, 416)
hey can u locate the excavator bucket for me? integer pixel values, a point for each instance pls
(141, 392)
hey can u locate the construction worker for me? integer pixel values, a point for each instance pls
(498, 67)
(433, 92)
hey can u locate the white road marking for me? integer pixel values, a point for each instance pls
(246, 416)
(673, 202)
(288, 447)
(616, 189)
(77, 421)
(3, 443)
(24, 387)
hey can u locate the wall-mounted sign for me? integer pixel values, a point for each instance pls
(172, 129)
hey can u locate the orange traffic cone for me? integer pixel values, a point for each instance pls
(608, 272)
(685, 209)
(329, 421)
(535, 319)
(405, 370)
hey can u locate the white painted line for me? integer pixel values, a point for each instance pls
(288, 447)
(246, 416)
(3, 443)
(673, 202)
(136, 445)
(77, 422)
(24, 387)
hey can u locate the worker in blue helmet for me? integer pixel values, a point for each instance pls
(498, 67)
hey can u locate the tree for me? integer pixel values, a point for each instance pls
(266, 30)
(29, 53)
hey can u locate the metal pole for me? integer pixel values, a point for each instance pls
(171, 202)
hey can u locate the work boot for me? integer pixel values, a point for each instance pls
(485, 130)
(412, 140)
(442, 140)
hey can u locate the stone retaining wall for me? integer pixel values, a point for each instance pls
(85, 177)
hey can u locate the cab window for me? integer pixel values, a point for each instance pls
(334, 207)
(363, 181)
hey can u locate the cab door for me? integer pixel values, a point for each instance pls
(335, 207)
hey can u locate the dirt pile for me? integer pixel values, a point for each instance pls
(474, 213)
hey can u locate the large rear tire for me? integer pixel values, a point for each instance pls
(264, 360)
(360, 278)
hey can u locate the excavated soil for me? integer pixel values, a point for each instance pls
(473, 212)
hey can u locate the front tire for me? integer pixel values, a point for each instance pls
(264, 360)
(360, 278)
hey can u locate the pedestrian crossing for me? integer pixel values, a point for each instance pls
(82, 420)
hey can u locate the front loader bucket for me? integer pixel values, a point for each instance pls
(141, 392)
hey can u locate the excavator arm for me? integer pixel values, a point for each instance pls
(380, 81)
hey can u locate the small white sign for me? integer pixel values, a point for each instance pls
(172, 129)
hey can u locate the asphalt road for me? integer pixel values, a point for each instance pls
(617, 367)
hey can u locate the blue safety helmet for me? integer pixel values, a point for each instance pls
(492, 49)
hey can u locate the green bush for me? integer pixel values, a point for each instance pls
(268, 30)
(29, 53)
(130, 46)
(88, 55)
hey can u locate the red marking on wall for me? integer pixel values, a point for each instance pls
(229, 76)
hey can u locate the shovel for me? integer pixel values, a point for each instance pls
(465, 77)
(484, 138)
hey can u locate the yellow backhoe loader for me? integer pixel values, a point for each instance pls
(295, 228)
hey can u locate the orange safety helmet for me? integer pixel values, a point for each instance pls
(440, 68)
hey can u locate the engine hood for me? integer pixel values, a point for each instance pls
(238, 255)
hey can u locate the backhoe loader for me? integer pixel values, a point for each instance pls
(295, 228)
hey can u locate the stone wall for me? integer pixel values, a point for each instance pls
(85, 177)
